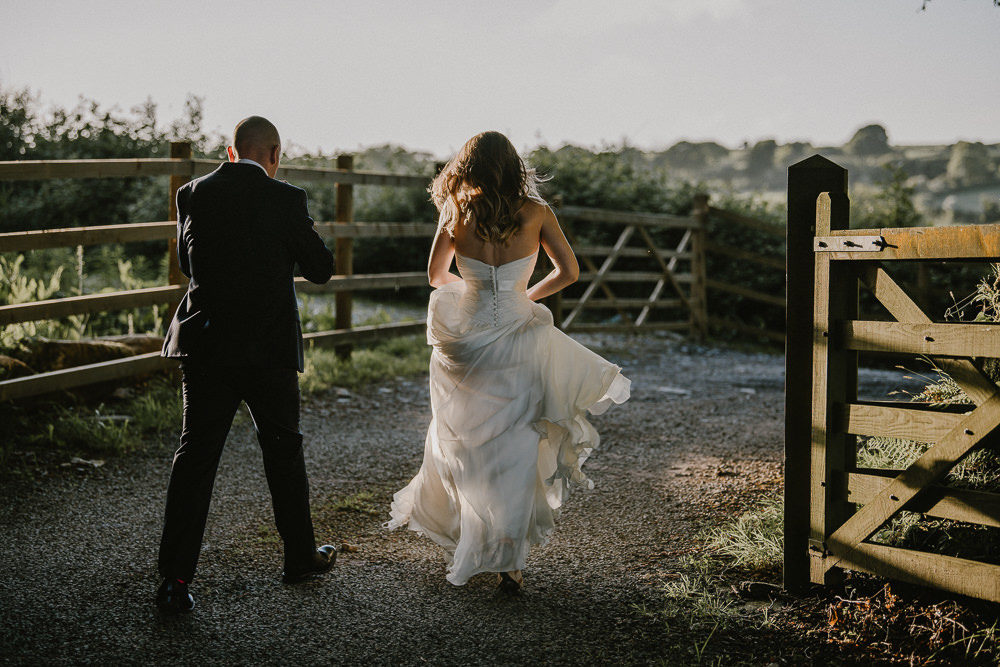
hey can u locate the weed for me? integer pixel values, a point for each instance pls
(754, 539)
(362, 502)
(396, 357)
(108, 429)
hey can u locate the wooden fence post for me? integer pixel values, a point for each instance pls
(344, 251)
(806, 180)
(699, 277)
(178, 149)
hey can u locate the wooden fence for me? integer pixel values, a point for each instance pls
(650, 275)
(752, 301)
(833, 507)
(180, 167)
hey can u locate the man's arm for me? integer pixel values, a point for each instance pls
(308, 250)
(182, 250)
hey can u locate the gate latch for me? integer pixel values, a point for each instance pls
(849, 244)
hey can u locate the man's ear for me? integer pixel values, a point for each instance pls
(275, 154)
(232, 153)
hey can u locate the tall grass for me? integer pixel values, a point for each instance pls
(752, 540)
(60, 272)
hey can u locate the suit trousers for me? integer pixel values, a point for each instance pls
(211, 396)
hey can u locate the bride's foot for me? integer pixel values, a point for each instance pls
(511, 582)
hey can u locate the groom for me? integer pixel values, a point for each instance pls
(240, 234)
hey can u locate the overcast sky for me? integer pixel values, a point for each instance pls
(427, 75)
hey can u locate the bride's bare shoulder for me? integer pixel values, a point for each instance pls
(534, 210)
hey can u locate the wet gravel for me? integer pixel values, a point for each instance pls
(700, 440)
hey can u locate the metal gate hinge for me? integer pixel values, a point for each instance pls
(849, 244)
(819, 548)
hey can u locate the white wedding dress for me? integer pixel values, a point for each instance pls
(508, 433)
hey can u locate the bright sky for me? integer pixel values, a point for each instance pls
(429, 74)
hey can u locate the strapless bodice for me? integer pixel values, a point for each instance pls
(495, 294)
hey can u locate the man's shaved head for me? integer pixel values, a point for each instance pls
(254, 135)
(256, 138)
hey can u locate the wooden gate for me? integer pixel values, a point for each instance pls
(833, 507)
(651, 273)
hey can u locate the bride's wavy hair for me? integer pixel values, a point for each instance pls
(484, 186)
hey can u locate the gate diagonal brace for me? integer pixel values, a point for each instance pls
(932, 465)
(887, 291)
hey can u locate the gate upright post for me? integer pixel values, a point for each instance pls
(806, 180)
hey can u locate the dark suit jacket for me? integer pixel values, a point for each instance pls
(239, 236)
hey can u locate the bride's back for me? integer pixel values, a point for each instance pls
(529, 219)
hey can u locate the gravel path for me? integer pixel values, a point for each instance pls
(701, 439)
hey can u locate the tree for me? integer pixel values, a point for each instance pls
(869, 140)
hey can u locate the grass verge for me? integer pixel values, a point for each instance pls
(149, 415)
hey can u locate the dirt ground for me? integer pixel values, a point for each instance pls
(700, 440)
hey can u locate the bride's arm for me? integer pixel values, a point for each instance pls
(442, 252)
(566, 270)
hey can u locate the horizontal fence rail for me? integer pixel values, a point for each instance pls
(33, 170)
(70, 237)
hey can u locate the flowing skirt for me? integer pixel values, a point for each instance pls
(508, 434)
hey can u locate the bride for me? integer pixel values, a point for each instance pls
(509, 391)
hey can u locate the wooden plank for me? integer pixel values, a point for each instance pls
(364, 281)
(110, 301)
(598, 278)
(626, 217)
(668, 269)
(45, 383)
(746, 221)
(601, 251)
(633, 276)
(26, 170)
(956, 575)
(19, 170)
(366, 334)
(745, 256)
(296, 173)
(354, 230)
(698, 312)
(71, 237)
(952, 340)
(929, 468)
(734, 325)
(630, 327)
(628, 303)
(90, 303)
(587, 262)
(806, 179)
(981, 242)
(943, 502)
(344, 250)
(745, 292)
(905, 423)
(976, 386)
(86, 236)
(835, 381)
